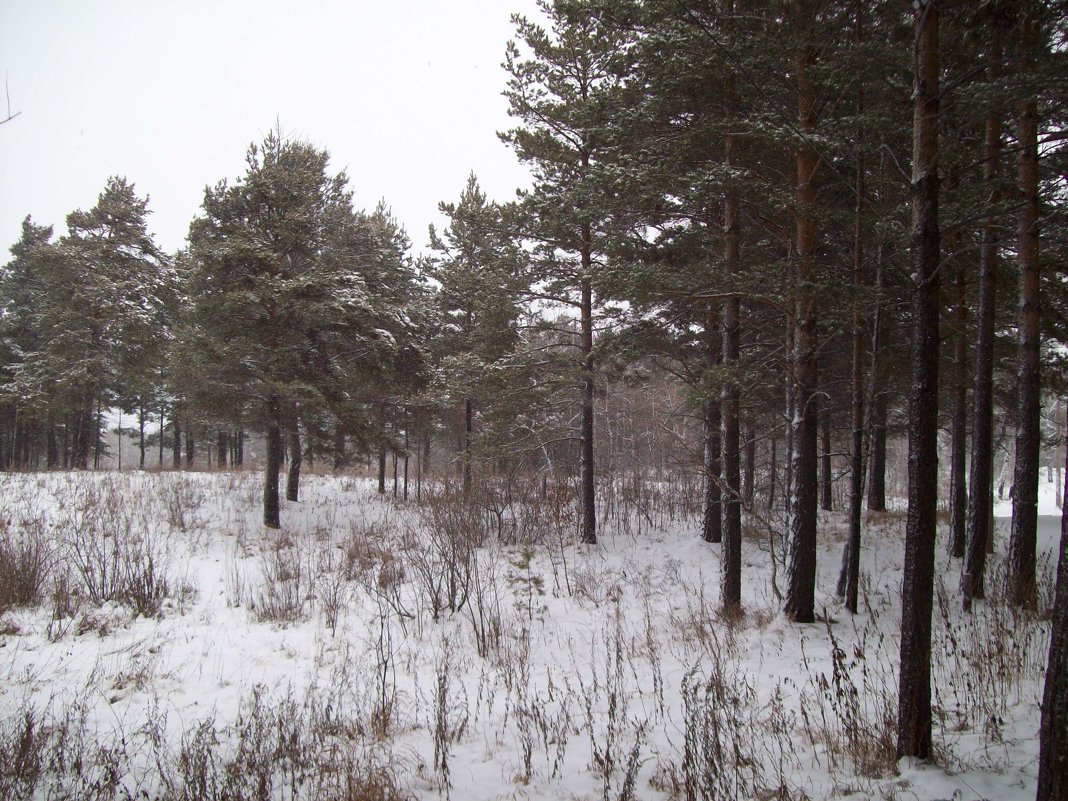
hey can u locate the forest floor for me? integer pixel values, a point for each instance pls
(374, 649)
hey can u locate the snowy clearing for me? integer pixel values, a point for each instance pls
(473, 652)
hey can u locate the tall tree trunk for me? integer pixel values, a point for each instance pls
(712, 522)
(1028, 378)
(917, 586)
(773, 466)
(239, 460)
(801, 568)
(877, 468)
(98, 417)
(296, 458)
(749, 467)
(382, 449)
(406, 455)
(339, 447)
(176, 444)
(1053, 730)
(468, 428)
(141, 434)
(190, 447)
(958, 452)
(826, 471)
(980, 490)
(731, 565)
(222, 446)
(52, 443)
(270, 480)
(589, 512)
(849, 578)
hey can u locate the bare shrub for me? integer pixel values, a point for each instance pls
(114, 559)
(440, 552)
(276, 748)
(726, 753)
(450, 717)
(25, 561)
(286, 583)
(331, 588)
(852, 713)
(182, 500)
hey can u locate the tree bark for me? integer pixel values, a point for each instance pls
(826, 471)
(296, 458)
(1028, 377)
(773, 467)
(980, 492)
(749, 469)
(731, 565)
(877, 469)
(468, 427)
(1053, 730)
(958, 451)
(223, 447)
(190, 447)
(589, 512)
(141, 433)
(917, 589)
(849, 578)
(176, 442)
(712, 522)
(52, 444)
(270, 482)
(801, 568)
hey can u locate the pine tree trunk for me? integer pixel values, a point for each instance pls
(239, 459)
(980, 491)
(98, 418)
(958, 451)
(877, 471)
(1028, 378)
(468, 427)
(712, 522)
(749, 468)
(270, 483)
(51, 444)
(589, 512)
(141, 434)
(826, 471)
(176, 444)
(190, 447)
(773, 468)
(731, 566)
(296, 458)
(406, 461)
(917, 587)
(801, 568)
(339, 448)
(849, 578)
(223, 447)
(1053, 730)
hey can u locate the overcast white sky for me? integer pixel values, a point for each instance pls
(405, 94)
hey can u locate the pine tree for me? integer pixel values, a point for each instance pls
(563, 92)
(283, 279)
(477, 269)
(914, 693)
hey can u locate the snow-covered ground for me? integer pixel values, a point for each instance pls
(566, 672)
